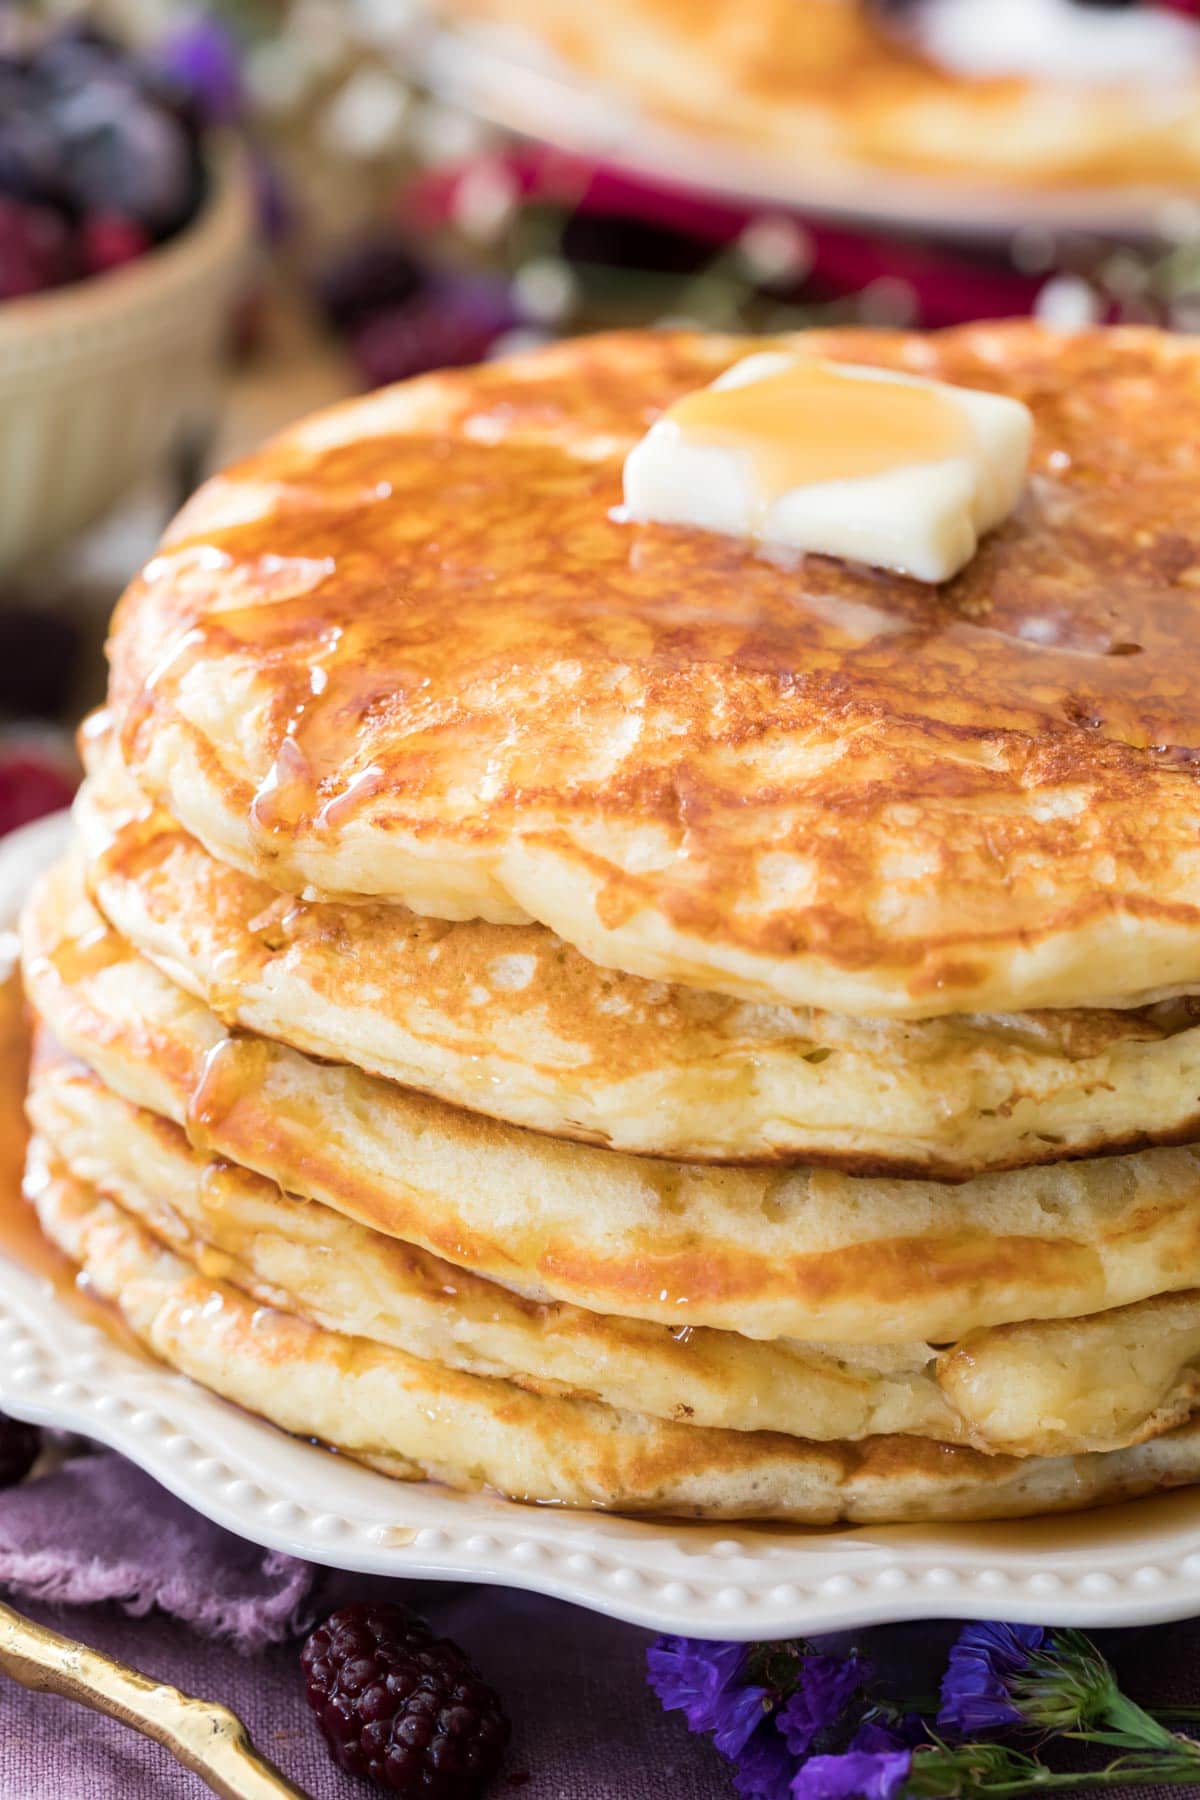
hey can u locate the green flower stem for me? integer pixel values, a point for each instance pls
(1049, 1781)
(940, 1780)
(1131, 1726)
(928, 1705)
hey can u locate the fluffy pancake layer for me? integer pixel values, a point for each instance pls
(305, 1259)
(814, 1255)
(1056, 1388)
(412, 1417)
(357, 668)
(832, 94)
(512, 1022)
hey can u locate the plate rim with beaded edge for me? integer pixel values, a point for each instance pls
(506, 79)
(1133, 1564)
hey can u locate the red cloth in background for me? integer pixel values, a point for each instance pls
(948, 284)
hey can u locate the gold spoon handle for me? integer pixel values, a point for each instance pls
(202, 1735)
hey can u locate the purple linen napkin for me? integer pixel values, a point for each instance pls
(140, 1576)
(97, 1529)
(137, 1574)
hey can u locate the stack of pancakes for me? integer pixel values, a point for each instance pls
(609, 1015)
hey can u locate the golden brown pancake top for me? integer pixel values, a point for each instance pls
(436, 642)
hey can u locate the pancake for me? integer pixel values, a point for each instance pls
(512, 1022)
(1099, 1383)
(412, 1417)
(303, 1258)
(803, 1253)
(817, 85)
(410, 651)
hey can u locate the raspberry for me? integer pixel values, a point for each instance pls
(19, 1446)
(35, 249)
(33, 781)
(407, 1710)
(111, 239)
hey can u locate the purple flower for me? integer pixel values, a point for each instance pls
(743, 1710)
(900, 1731)
(1002, 1675)
(695, 1678)
(765, 1770)
(706, 1683)
(201, 57)
(858, 1775)
(768, 1706)
(984, 1663)
(826, 1687)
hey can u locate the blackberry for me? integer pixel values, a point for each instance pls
(454, 322)
(405, 1709)
(367, 279)
(19, 1446)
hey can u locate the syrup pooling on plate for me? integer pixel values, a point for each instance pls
(21, 1240)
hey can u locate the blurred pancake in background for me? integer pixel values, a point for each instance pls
(1026, 94)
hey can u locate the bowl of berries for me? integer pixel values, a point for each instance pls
(124, 229)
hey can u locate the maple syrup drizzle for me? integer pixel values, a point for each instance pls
(233, 1068)
(429, 595)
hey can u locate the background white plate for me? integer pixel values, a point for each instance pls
(1129, 1565)
(506, 77)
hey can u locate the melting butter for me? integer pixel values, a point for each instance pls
(858, 463)
(815, 421)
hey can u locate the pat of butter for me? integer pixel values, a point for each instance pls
(837, 459)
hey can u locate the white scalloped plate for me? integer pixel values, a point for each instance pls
(1129, 1565)
(504, 76)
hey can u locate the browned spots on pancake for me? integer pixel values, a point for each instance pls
(878, 1274)
(983, 733)
(670, 1241)
(522, 996)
